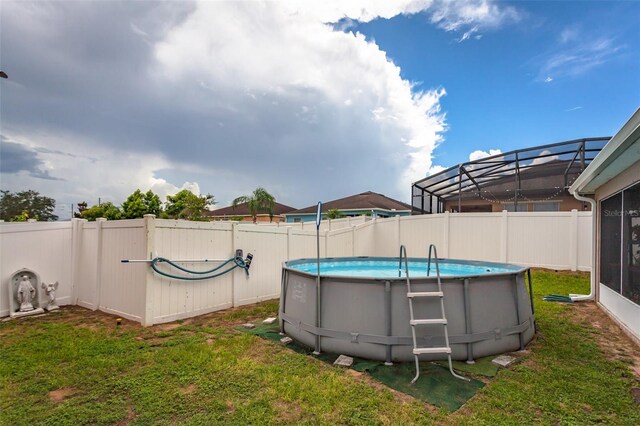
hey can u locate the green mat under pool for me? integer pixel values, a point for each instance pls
(436, 384)
(481, 367)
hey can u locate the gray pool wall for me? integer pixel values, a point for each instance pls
(487, 314)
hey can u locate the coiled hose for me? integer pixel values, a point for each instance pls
(238, 262)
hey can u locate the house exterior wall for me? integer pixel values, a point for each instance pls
(247, 218)
(566, 204)
(311, 217)
(625, 312)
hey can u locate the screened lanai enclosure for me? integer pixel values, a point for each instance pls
(530, 179)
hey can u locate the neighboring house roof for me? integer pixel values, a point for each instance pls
(622, 151)
(364, 201)
(243, 210)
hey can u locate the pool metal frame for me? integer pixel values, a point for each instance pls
(300, 329)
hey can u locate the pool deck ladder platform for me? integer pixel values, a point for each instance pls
(417, 351)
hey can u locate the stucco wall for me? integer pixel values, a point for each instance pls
(566, 204)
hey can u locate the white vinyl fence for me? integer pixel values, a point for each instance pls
(85, 257)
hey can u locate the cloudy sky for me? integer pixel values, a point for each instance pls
(313, 101)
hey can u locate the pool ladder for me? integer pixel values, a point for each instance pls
(446, 349)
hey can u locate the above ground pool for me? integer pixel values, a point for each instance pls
(364, 309)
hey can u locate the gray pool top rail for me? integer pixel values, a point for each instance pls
(388, 267)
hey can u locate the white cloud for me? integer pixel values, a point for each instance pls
(576, 56)
(435, 169)
(573, 109)
(479, 154)
(542, 160)
(224, 96)
(467, 35)
(102, 173)
(549, 79)
(569, 34)
(298, 53)
(456, 15)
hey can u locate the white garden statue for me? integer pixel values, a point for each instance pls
(50, 290)
(26, 294)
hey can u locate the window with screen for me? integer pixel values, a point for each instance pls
(610, 244)
(511, 207)
(547, 207)
(631, 243)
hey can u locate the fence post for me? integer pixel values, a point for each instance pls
(573, 240)
(77, 227)
(234, 237)
(504, 237)
(398, 231)
(353, 240)
(99, 222)
(445, 239)
(326, 243)
(150, 234)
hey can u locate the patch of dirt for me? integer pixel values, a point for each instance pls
(131, 414)
(168, 326)
(92, 320)
(287, 412)
(612, 340)
(230, 406)
(188, 389)
(635, 392)
(61, 394)
(231, 317)
(90, 326)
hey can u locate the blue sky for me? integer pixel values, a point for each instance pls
(310, 100)
(497, 97)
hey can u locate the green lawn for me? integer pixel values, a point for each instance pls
(78, 367)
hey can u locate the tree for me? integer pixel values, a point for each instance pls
(22, 217)
(29, 204)
(82, 206)
(139, 204)
(106, 210)
(187, 205)
(333, 214)
(258, 202)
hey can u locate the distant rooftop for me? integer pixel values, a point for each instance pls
(365, 201)
(243, 210)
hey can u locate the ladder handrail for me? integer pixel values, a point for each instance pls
(403, 249)
(433, 253)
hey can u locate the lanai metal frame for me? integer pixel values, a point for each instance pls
(475, 179)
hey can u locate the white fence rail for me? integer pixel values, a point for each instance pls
(84, 257)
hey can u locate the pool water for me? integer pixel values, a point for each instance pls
(389, 268)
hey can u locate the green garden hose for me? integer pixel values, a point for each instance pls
(238, 262)
(557, 298)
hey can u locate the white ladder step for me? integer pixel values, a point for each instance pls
(420, 351)
(428, 321)
(425, 294)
